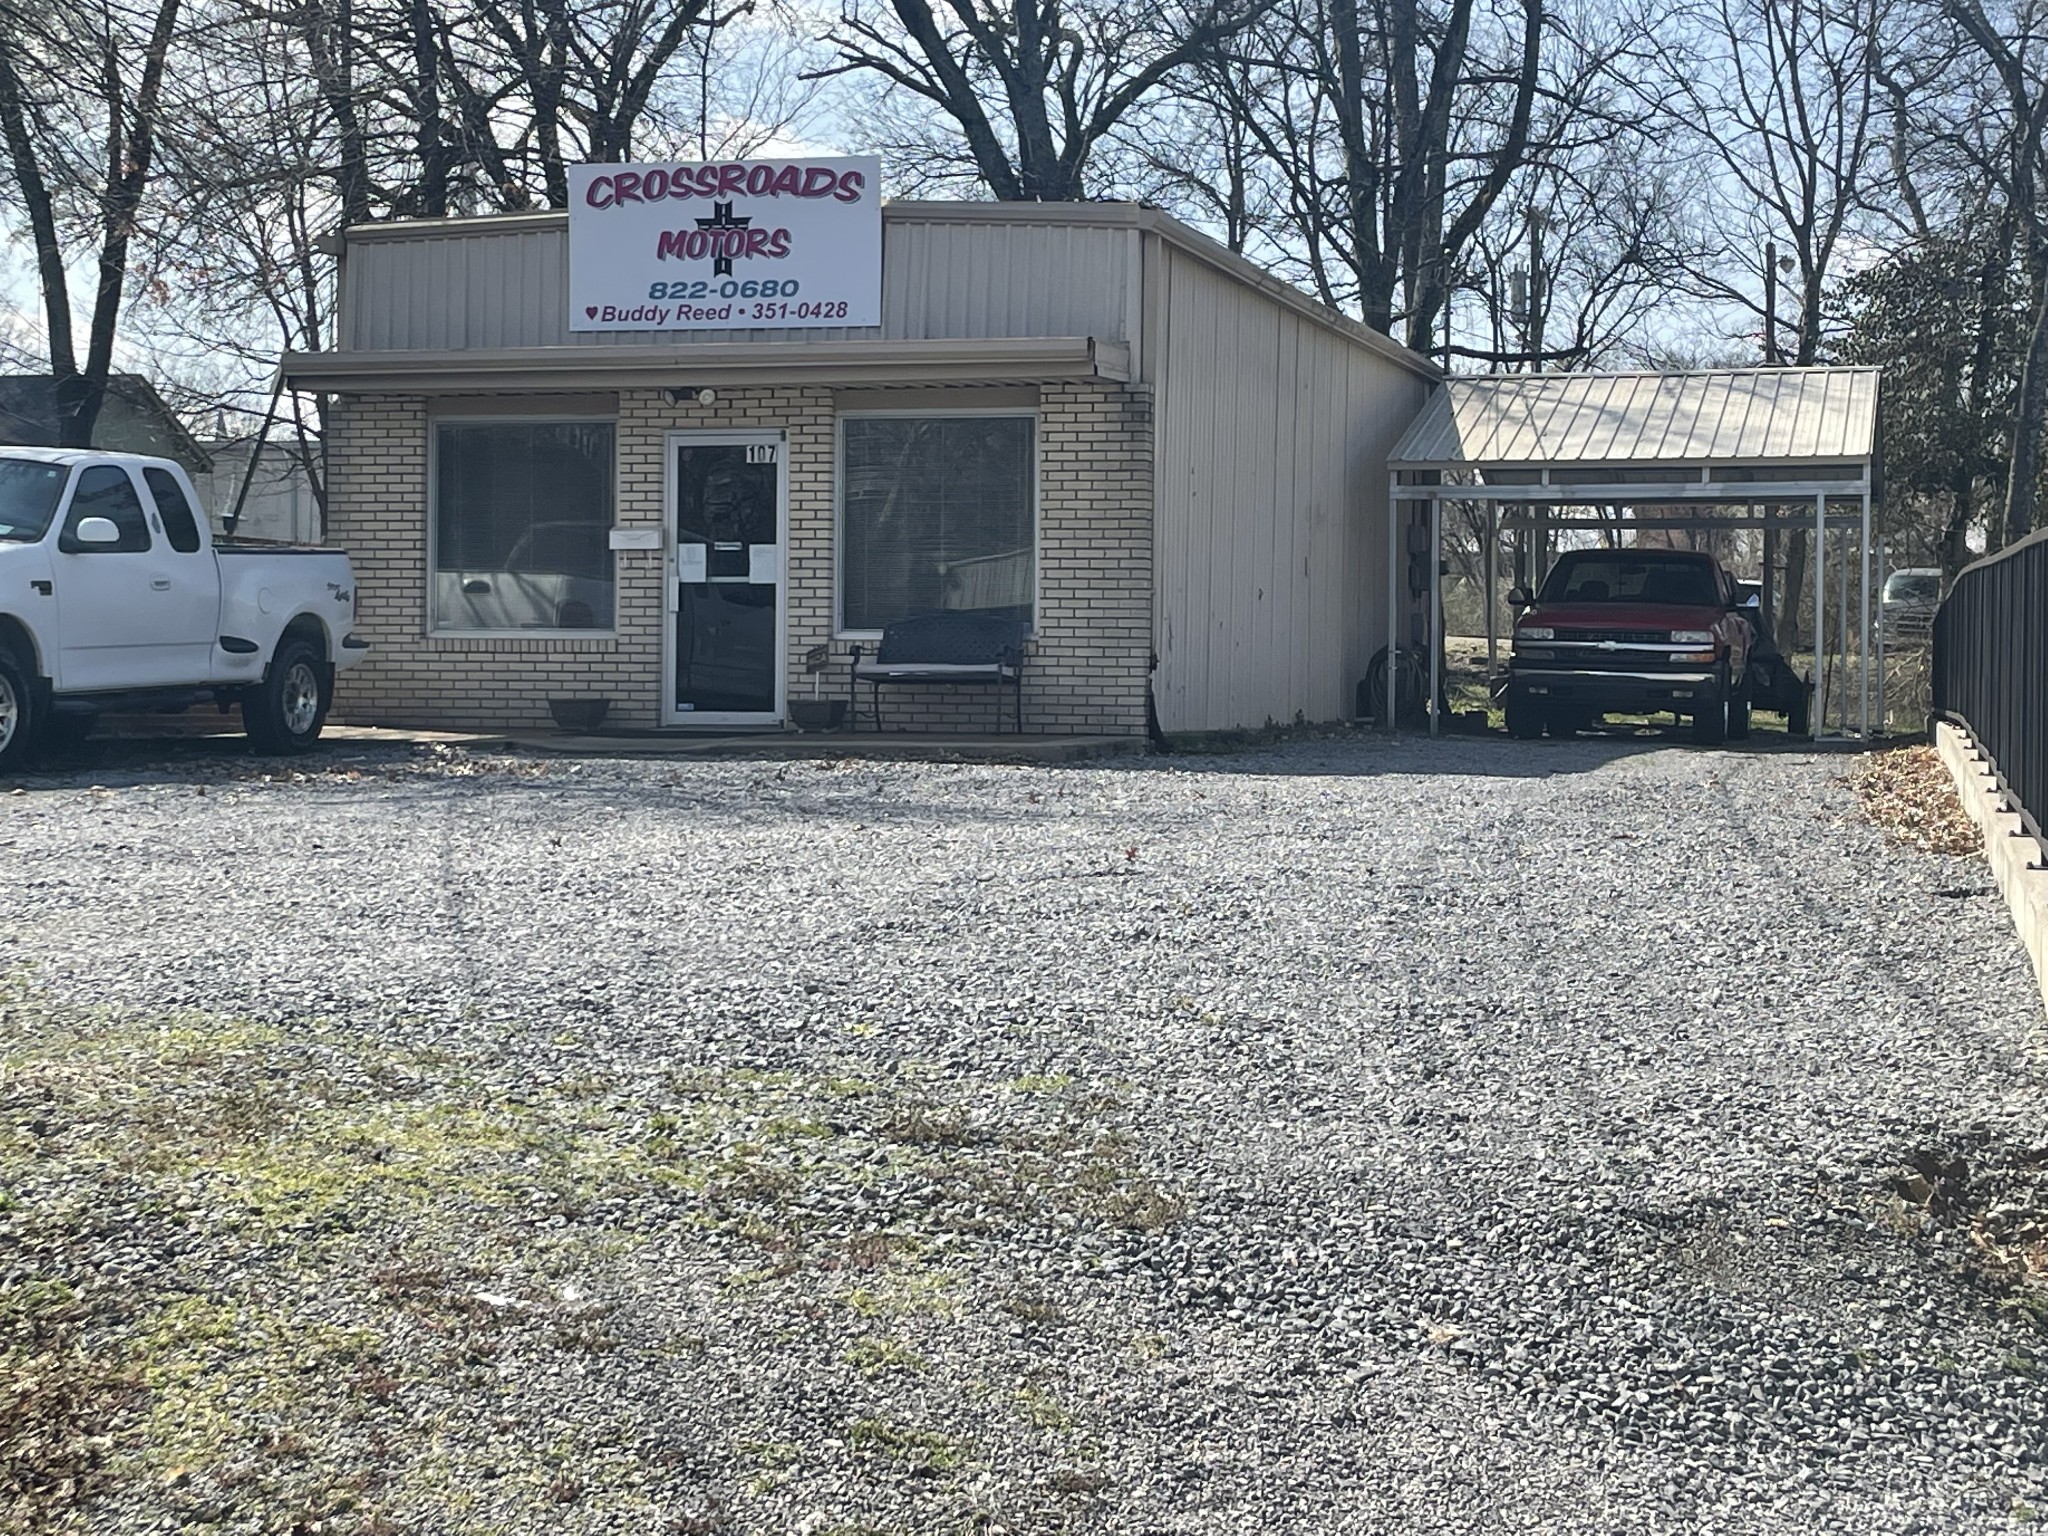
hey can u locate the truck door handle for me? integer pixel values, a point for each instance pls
(476, 588)
(161, 584)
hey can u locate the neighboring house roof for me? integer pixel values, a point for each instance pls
(133, 419)
(1755, 416)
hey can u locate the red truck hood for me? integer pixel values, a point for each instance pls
(1622, 616)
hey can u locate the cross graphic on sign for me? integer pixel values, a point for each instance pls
(722, 219)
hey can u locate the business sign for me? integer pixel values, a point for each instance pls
(737, 245)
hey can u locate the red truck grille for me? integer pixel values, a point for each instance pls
(1619, 636)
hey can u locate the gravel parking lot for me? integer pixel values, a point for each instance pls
(1596, 1136)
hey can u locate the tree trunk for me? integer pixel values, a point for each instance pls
(333, 46)
(1955, 538)
(35, 196)
(2028, 420)
(1791, 632)
(431, 146)
(1799, 535)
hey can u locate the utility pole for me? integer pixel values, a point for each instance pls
(1539, 289)
(1769, 595)
(1771, 304)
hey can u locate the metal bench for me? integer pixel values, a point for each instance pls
(943, 650)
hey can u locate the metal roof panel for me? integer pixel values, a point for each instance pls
(1725, 416)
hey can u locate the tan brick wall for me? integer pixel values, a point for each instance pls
(1087, 672)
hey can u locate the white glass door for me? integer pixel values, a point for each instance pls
(726, 509)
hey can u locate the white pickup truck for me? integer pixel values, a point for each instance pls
(114, 595)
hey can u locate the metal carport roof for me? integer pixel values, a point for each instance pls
(1759, 417)
(1540, 445)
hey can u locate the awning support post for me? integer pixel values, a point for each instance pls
(1884, 712)
(1396, 512)
(1864, 646)
(1436, 609)
(1842, 627)
(1820, 628)
(1492, 563)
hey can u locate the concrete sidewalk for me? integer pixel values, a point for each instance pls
(892, 746)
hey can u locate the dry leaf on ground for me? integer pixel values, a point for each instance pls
(1908, 792)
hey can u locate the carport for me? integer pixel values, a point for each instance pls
(1553, 456)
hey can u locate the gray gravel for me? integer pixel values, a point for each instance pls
(1456, 1137)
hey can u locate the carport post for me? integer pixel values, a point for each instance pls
(1396, 511)
(1436, 607)
(1863, 646)
(1820, 628)
(1842, 603)
(1492, 575)
(1884, 715)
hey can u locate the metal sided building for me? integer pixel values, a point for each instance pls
(1085, 416)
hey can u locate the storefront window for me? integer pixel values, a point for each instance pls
(522, 521)
(940, 512)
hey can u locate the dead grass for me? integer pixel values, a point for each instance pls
(326, 1239)
(1999, 1203)
(1908, 793)
(57, 1402)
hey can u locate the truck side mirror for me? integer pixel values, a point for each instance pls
(1518, 597)
(97, 531)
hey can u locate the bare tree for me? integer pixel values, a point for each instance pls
(2012, 45)
(1394, 134)
(1032, 88)
(81, 89)
(1783, 99)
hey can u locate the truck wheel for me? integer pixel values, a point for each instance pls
(1738, 718)
(283, 714)
(1525, 716)
(1710, 720)
(17, 713)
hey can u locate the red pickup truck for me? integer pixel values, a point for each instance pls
(1636, 631)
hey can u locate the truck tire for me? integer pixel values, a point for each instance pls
(1525, 716)
(1710, 719)
(17, 713)
(283, 714)
(1738, 716)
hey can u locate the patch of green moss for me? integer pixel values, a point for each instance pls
(875, 1357)
(1042, 1409)
(216, 1368)
(917, 1450)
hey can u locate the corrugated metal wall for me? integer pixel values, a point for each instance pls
(508, 287)
(1271, 497)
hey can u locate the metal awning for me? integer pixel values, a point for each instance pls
(1783, 444)
(650, 365)
(1744, 434)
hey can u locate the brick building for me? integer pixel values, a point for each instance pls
(1085, 416)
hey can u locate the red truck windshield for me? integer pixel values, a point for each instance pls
(1629, 577)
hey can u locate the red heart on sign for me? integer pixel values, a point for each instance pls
(590, 311)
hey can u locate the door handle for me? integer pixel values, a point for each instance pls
(161, 584)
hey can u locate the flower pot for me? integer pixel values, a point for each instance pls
(817, 714)
(578, 716)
